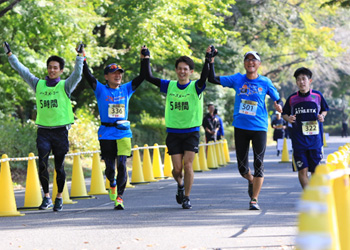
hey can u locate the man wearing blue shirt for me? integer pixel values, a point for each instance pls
(114, 133)
(250, 118)
(305, 110)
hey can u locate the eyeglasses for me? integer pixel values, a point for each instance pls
(114, 66)
(251, 60)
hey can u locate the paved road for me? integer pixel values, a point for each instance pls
(220, 218)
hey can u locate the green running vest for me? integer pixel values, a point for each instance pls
(53, 105)
(184, 108)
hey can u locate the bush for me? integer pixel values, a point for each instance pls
(148, 131)
(17, 139)
(83, 134)
(334, 130)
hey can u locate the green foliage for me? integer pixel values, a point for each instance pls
(83, 134)
(17, 139)
(148, 131)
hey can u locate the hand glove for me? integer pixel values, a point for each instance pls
(211, 54)
(6, 47)
(145, 52)
(80, 48)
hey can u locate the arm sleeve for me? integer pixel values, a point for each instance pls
(89, 77)
(23, 71)
(149, 77)
(324, 105)
(286, 108)
(204, 75)
(212, 78)
(136, 82)
(272, 91)
(73, 80)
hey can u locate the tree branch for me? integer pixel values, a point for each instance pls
(8, 8)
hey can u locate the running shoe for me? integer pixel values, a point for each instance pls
(186, 204)
(46, 204)
(112, 193)
(253, 205)
(58, 205)
(119, 205)
(180, 194)
(250, 189)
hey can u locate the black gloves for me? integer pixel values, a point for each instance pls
(145, 51)
(211, 54)
(6, 47)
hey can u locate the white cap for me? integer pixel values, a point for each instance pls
(254, 53)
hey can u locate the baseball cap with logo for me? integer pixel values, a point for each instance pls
(112, 68)
(254, 53)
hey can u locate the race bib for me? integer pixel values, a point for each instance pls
(116, 110)
(248, 107)
(310, 128)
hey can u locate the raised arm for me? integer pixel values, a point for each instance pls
(73, 80)
(143, 68)
(23, 71)
(149, 77)
(89, 76)
(212, 78)
(205, 71)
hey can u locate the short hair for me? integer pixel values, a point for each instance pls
(186, 60)
(303, 71)
(58, 59)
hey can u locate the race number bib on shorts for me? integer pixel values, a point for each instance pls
(116, 110)
(310, 128)
(248, 107)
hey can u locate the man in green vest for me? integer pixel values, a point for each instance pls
(54, 117)
(183, 118)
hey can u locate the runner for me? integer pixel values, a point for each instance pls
(210, 124)
(54, 117)
(250, 118)
(114, 133)
(306, 110)
(183, 118)
(279, 126)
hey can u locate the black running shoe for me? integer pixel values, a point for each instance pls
(186, 204)
(250, 189)
(180, 194)
(58, 205)
(253, 205)
(46, 204)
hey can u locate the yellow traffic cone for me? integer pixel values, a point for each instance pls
(32, 197)
(285, 154)
(324, 140)
(211, 161)
(313, 222)
(226, 152)
(168, 164)
(128, 184)
(97, 186)
(157, 163)
(222, 153)
(78, 187)
(147, 165)
(65, 193)
(137, 174)
(195, 164)
(8, 205)
(202, 159)
(319, 181)
(218, 154)
(342, 202)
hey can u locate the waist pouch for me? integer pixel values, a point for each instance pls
(122, 125)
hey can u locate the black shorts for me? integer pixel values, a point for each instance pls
(179, 143)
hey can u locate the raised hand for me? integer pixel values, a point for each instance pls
(6, 47)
